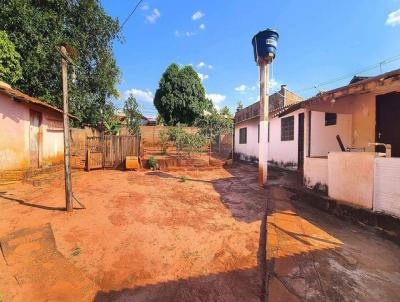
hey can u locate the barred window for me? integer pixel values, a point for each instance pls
(330, 119)
(243, 136)
(287, 128)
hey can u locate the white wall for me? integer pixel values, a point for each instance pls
(315, 172)
(386, 186)
(250, 149)
(323, 138)
(284, 152)
(351, 177)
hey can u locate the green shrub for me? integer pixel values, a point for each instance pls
(153, 163)
(164, 141)
(183, 178)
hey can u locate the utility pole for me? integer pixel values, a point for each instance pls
(67, 167)
(264, 45)
(264, 118)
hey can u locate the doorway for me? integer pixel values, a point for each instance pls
(300, 151)
(34, 139)
(388, 122)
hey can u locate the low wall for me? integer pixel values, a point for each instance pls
(150, 135)
(351, 177)
(387, 186)
(316, 173)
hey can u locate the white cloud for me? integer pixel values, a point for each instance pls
(184, 34)
(198, 15)
(154, 16)
(393, 18)
(204, 65)
(202, 76)
(216, 98)
(202, 26)
(140, 95)
(241, 88)
(144, 6)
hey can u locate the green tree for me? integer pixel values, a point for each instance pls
(37, 27)
(213, 123)
(180, 97)
(133, 115)
(10, 68)
(239, 106)
(225, 111)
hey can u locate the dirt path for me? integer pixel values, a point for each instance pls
(158, 236)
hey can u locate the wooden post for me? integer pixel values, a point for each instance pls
(67, 166)
(264, 117)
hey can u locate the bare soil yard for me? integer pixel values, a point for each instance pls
(199, 235)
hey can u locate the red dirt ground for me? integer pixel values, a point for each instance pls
(154, 236)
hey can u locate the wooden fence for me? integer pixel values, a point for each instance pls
(110, 151)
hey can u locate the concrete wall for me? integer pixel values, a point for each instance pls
(387, 186)
(316, 173)
(362, 109)
(250, 149)
(53, 139)
(14, 135)
(282, 153)
(285, 153)
(351, 177)
(323, 138)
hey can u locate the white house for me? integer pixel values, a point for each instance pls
(282, 133)
(346, 140)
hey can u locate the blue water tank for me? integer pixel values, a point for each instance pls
(265, 42)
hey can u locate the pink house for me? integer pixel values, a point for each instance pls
(31, 134)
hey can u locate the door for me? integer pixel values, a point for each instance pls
(388, 122)
(300, 152)
(34, 139)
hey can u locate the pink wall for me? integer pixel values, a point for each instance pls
(14, 135)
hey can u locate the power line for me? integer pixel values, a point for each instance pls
(345, 76)
(133, 11)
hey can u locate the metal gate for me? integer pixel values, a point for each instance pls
(110, 151)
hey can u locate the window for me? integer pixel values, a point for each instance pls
(287, 128)
(330, 119)
(258, 132)
(243, 136)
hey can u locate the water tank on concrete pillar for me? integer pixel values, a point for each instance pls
(264, 44)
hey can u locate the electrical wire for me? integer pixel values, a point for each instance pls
(132, 12)
(348, 75)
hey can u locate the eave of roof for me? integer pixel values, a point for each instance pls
(7, 89)
(328, 95)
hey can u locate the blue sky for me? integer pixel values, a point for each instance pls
(319, 41)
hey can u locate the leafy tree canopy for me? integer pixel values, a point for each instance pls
(133, 115)
(37, 27)
(10, 68)
(180, 97)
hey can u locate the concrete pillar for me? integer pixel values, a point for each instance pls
(264, 116)
(306, 133)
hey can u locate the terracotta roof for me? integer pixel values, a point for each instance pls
(7, 89)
